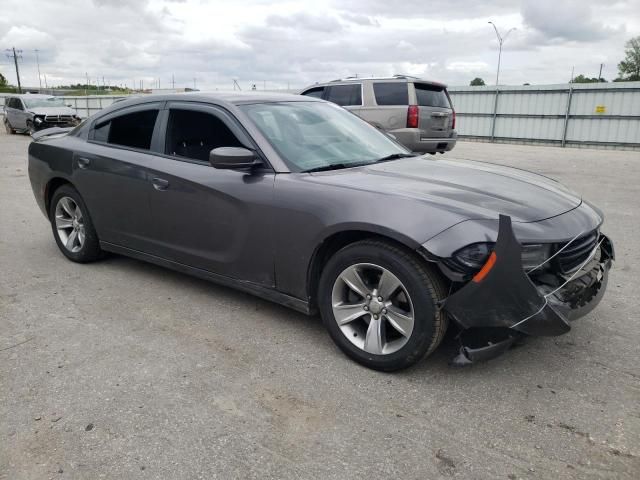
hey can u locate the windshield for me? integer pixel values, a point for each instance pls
(318, 135)
(43, 102)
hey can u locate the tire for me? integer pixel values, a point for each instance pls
(7, 127)
(407, 322)
(30, 128)
(84, 247)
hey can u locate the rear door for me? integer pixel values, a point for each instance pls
(436, 114)
(391, 103)
(111, 174)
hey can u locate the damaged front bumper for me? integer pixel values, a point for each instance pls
(502, 302)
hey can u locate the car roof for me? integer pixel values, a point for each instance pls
(393, 78)
(218, 98)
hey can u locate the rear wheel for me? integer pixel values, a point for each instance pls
(378, 302)
(72, 226)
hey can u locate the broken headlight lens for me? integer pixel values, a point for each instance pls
(475, 255)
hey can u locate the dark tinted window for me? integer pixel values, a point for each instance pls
(391, 93)
(8, 103)
(345, 95)
(192, 134)
(315, 92)
(431, 96)
(101, 132)
(131, 130)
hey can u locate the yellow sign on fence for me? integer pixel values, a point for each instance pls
(601, 109)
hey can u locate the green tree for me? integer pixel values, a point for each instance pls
(582, 79)
(629, 68)
(3, 81)
(477, 82)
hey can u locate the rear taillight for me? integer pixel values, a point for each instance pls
(412, 116)
(453, 123)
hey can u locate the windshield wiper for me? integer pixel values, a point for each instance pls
(334, 166)
(395, 156)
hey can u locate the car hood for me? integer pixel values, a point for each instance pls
(53, 111)
(474, 190)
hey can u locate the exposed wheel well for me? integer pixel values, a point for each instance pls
(51, 187)
(329, 247)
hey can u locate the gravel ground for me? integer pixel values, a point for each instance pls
(122, 369)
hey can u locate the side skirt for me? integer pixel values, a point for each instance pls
(252, 288)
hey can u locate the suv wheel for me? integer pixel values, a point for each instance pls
(378, 302)
(31, 129)
(72, 226)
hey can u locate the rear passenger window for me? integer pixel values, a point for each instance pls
(133, 130)
(314, 92)
(431, 96)
(345, 95)
(395, 93)
(193, 134)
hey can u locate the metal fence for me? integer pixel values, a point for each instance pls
(602, 115)
(605, 115)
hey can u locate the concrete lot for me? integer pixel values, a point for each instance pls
(121, 369)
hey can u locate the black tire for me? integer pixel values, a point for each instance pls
(422, 282)
(90, 249)
(31, 129)
(8, 128)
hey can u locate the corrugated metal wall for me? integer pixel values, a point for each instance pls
(605, 115)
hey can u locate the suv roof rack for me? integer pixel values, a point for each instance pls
(386, 77)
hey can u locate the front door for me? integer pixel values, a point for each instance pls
(212, 219)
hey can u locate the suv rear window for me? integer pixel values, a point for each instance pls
(431, 96)
(345, 95)
(391, 93)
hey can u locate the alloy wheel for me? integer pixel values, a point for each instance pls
(372, 308)
(70, 224)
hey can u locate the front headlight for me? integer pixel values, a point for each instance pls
(475, 255)
(38, 120)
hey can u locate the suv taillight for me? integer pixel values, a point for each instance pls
(412, 116)
(453, 124)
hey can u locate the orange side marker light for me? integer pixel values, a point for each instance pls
(486, 268)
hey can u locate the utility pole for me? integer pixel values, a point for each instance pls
(194, 83)
(501, 40)
(38, 63)
(173, 81)
(86, 86)
(600, 74)
(16, 54)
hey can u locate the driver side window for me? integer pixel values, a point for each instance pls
(193, 134)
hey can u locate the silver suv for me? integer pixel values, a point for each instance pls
(33, 112)
(418, 113)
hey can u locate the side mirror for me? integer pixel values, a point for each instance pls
(233, 158)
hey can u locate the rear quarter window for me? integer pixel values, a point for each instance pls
(431, 96)
(391, 93)
(316, 92)
(345, 95)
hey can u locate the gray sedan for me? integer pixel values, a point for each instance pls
(298, 201)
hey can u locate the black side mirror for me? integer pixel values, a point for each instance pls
(233, 158)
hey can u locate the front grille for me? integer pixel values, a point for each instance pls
(58, 118)
(576, 252)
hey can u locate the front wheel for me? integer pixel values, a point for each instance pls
(72, 226)
(31, 129)
(379, 303)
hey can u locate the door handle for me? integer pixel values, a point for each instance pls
(160, 183)
(83, 162)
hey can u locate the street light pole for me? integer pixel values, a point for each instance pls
(501, 40)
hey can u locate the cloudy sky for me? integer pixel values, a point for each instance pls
(298, 43)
